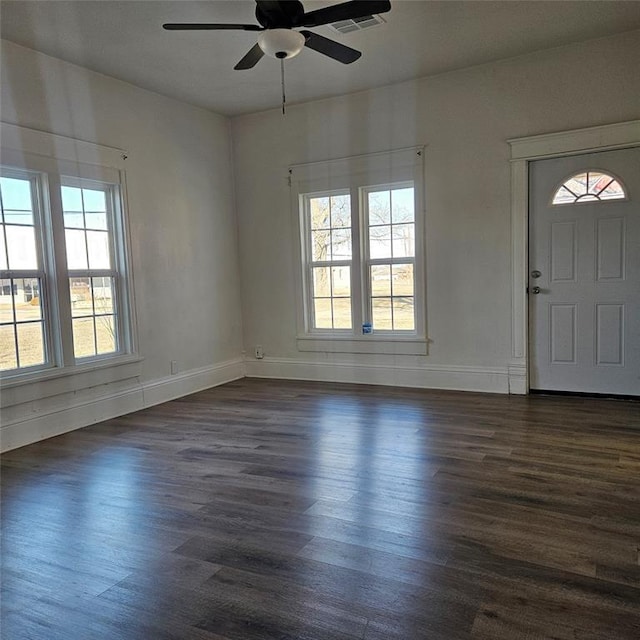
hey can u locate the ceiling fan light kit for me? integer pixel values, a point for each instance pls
(281, 43)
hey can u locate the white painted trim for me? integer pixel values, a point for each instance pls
(380, 161)
(138, 396)
(563, 143)
(453, 377)
(43, 143)
(374, 344)
(182, 384)
(524, 150)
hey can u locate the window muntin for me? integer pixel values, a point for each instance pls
(329, 231)
(589, 186)
(23, 337)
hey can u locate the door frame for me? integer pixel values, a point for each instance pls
(621, 135)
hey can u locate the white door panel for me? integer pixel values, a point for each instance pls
(584, 323)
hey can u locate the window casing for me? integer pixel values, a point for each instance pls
(71, 300)
(376, 276)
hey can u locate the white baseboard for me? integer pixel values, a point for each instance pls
(453, 377)
(518, 379)
(139, 396)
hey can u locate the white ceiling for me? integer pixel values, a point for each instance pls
(124, 39)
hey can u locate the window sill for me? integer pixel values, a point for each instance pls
(20, 388)
(371, 344)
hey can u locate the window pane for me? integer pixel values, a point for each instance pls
(95, 209)
(73, 220)
(76, 249)
(12, 216)
(322, 313)
(402, 275)
(94, 200)
(8, 358)
(577, 184)
(597, 181)
(381, 313)
(403, 241)
(379, 207)
(563, 196)
(340, 211)
(380, 280)
(341, 281)
(16, 200)
(320, 245)
(27, 299)
(403, 316)
(106, 334)
(3, 250)
(402, 205)
(380, 242)
(98, 242)
(80, 296)
(321, 283)
(71, 199)
(95, 220)
(342, 313)
(103, 294)
(6, 301)
(83, 337)
(341, 244)
(21, 243)
(612, 192)
(31, 344)
(320, 215)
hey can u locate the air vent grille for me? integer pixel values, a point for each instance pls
(357, 24)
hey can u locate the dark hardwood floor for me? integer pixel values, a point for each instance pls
(275, 510)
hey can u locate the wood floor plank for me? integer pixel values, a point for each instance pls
(281, 510)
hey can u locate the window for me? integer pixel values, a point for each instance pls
(361, 254)
(64, 287)
(390, 215)
(23, 337)
(330, 233)
(88, 214)
(589, 186)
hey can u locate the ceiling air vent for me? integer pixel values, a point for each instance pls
(357, 24)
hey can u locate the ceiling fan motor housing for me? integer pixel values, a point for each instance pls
(281, 43)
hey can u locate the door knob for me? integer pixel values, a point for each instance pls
(535, 290)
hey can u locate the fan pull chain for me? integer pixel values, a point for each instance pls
(282, 79)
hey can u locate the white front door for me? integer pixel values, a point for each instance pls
(584, 273)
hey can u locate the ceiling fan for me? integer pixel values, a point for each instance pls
(278, 21)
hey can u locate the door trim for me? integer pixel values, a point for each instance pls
(523, 151)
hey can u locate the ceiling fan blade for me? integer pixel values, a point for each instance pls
(343, 11)
(251, 59)
(330, 48)
(206, 26)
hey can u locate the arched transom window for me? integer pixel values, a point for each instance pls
(589, 186)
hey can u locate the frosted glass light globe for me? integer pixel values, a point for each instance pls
(281, 43)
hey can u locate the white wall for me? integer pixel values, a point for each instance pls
(465, 118)
(184, 241)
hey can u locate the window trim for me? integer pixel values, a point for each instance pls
(58, 159)
(356, 174)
